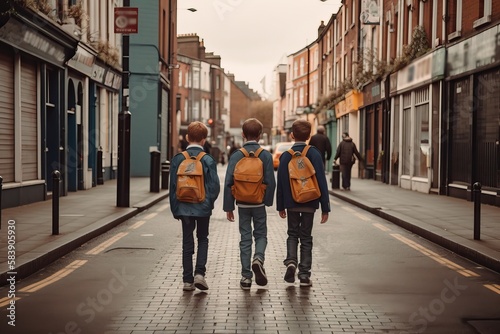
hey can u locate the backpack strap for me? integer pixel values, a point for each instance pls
(247, 154)
(303, 153)
(198, 157)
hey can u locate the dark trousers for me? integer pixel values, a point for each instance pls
(189, 224)
(300, 226)
(346, 169)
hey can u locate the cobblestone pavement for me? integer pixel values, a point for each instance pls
(162, 307)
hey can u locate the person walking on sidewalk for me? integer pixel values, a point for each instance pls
(300, 215)
(322, 143)
(346, 152)
(195, 215)
(250, 210)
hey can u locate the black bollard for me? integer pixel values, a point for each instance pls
(1, 186)
(100, 177)
(56, 183)
(154, 175)
(165, 170)
(476, 189)
(335, 176)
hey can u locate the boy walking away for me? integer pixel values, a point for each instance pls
(250, 183)
(300, 215)
(194, 187)
(346, 152)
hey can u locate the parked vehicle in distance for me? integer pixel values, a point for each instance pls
(278, 149)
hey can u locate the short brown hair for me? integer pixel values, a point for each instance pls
(197, 131)
(301, 130)
(252, 129)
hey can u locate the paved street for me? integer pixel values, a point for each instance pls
(369, 276)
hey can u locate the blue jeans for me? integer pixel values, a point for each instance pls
(259, 216)
(300, 226)
(188, 226)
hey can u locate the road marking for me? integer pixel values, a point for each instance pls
(381, 227)
(6, 301)
(436, 257)
(362, 217)
(54, 277)
(162, 208)
(493, 287)
(107, 243)
(137, 225)
(151, 215)
(348, 209)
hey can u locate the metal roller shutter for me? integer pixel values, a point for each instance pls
(29, 128)
(7, 117)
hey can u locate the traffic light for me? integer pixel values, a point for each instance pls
(210, 122)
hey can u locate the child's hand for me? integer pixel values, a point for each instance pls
(283, 214)
(230, 216)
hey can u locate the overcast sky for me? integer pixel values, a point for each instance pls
(253, 36)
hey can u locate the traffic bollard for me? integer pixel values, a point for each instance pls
(476, 190)
(165, 170)
(154, 174)
(56, 183)
(335, 176)
(100, 176)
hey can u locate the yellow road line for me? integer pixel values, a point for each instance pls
(106, 244)
(137, 225)
(151, 215)
(436, 257)
(6, 301)
(348, 209)
(493, 287)
(381, 227)
(362, 217)
(163, 208)
(54, 277)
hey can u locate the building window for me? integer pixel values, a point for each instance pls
(295, 69)
(302, 65)
(485, 11)
(456, 11)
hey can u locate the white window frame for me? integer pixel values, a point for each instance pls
(486, 15)
(458, 30)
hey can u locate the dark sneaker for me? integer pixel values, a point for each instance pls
(200, 283)
(290, 273)
(305, 282)
(245, 283)
(259, 272)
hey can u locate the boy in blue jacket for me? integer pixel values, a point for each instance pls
(195, 215)
(248, 212)
(300, 215)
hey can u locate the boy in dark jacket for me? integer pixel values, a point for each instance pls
(248, 212)
(346, 152)
(195, 215)
(300, 215)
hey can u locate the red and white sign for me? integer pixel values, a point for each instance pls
(126, 20)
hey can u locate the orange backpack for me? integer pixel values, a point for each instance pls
(303, 182)
(190, 179)
(248, 184)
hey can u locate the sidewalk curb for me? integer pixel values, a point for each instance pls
(31, 262)
(469, 249)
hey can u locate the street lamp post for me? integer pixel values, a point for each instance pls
(124, 118)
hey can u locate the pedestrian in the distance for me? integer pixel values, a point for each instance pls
(322, 143)
(195, 215)
(251, 211)
(300, 215)
(347, 151)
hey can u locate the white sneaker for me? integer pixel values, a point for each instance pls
(188, 286)
(200, 283)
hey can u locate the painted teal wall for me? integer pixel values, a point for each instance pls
(144, 84)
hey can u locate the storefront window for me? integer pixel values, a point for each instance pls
(406, 154)
(421, 143)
